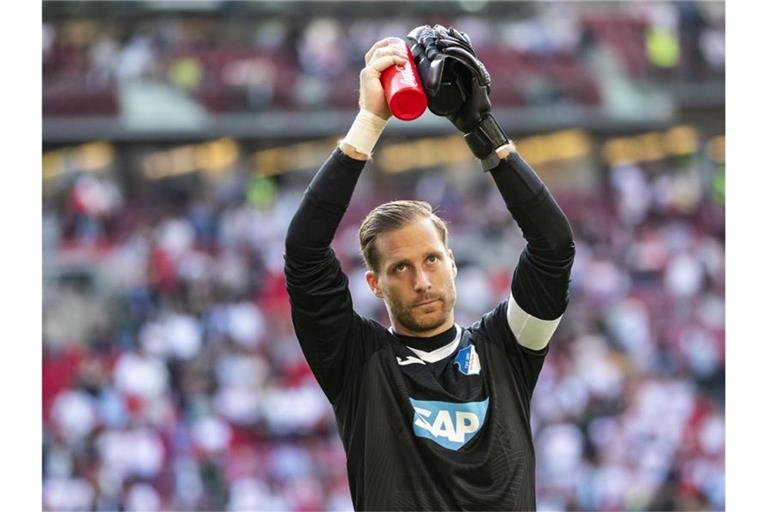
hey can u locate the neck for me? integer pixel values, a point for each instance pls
(403, 330)
(430, 344)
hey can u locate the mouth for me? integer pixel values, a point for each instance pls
(426, 302)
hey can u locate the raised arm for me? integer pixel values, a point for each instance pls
(539, 293)
(321, 305)
(458, 87)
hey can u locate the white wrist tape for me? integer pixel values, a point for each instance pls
(365, 131)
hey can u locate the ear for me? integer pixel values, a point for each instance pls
(453, 263)
(373, 283)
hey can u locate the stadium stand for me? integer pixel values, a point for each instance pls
(172, 379)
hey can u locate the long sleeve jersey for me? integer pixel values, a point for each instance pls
(447, 429)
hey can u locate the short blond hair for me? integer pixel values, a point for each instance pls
(389, 217)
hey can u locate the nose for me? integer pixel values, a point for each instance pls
(421, 281)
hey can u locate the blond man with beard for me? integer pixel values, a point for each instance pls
(433, 415)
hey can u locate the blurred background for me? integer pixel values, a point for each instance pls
(178, 138)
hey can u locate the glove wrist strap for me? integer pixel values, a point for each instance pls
(485, 137)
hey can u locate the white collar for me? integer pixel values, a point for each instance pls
(439, 353)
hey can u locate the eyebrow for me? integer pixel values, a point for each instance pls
(396, 263)
(406, 260)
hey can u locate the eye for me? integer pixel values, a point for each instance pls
(400, 267)
(432, 258)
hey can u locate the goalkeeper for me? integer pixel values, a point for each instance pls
(432, 415)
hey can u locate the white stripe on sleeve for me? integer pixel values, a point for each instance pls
(531, 332)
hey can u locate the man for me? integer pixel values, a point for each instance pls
(433, 416)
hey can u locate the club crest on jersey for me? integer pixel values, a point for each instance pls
(467, 360)
(451, 425)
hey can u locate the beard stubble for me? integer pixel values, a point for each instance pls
(407, 313)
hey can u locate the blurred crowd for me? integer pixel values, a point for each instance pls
(554, 53)
(172, 379)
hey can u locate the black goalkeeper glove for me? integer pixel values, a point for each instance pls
(458, 87)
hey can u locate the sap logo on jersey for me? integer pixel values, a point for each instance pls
(451, 425)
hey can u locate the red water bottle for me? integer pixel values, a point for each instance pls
(403, 89)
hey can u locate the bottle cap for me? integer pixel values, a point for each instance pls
(408, 104)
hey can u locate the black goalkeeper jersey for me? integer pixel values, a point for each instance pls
(449, 435)
(453, 434)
